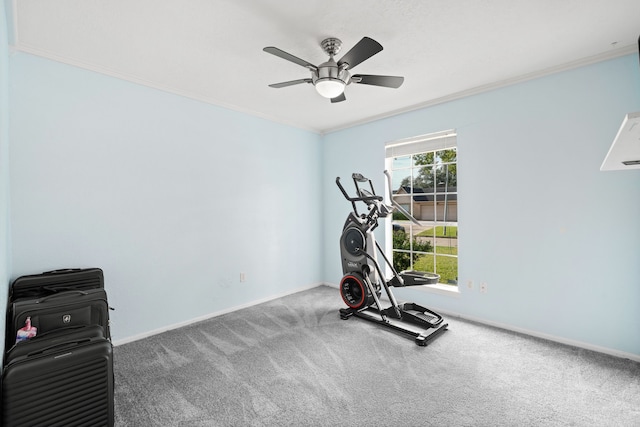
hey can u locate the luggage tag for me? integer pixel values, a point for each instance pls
(26, 332)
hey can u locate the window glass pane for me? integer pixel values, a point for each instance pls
(421, 207)
(453, 177)
(447, 268)
(401, 260)
(446, 239)
(399, 227)
(401, 162)
(447, 208)
(423, 179)
(423, 262)
(403, 200)
(423, 159)
(428, 232)
(400, 238)
(401, 181)
(446, 176)
(422, 242)
(447, 156)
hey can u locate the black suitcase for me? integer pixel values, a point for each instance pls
(40, 285)
(57, 311)
(67, 383)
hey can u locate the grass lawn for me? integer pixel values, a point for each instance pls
(451, 231)
(447, 267)
(447, 250)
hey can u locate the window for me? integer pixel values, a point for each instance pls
(424, 181)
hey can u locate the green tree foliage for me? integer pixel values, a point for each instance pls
(402, 260)
(434, 170)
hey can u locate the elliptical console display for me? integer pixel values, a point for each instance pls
(363, 280)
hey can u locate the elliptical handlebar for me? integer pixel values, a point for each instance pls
(359, 178)
(369, 200)
(372, 198)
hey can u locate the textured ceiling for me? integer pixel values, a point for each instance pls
(211, 50)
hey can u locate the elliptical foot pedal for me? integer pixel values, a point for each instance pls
(420, 315)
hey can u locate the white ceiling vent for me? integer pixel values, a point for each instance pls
(625, 150)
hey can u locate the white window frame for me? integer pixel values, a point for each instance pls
(415, 145)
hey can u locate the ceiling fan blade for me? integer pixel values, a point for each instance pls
(338, 98)
(290, 83)
(386, 81)
(284, 55)
(362, 51)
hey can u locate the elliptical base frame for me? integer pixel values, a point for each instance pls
(422, 336)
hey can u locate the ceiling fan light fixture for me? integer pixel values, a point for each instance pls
(329, 87)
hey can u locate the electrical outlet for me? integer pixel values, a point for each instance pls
(470, 285)
(243, 277)
(484, 288)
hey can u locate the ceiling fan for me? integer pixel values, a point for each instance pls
(331, 77)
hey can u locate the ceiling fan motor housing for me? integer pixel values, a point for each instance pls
(330, 71)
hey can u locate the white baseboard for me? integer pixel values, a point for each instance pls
(561, 340)
(212, 315)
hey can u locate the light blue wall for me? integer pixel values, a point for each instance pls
(5, 241)
(556, 240)
(174, 198)
(171, 197)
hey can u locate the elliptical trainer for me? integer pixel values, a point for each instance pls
(363, 280)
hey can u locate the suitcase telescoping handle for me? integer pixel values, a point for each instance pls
(61, 294)
(56, 347)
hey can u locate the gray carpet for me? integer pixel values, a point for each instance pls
(292, 361)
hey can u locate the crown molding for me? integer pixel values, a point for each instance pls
(623, 51)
